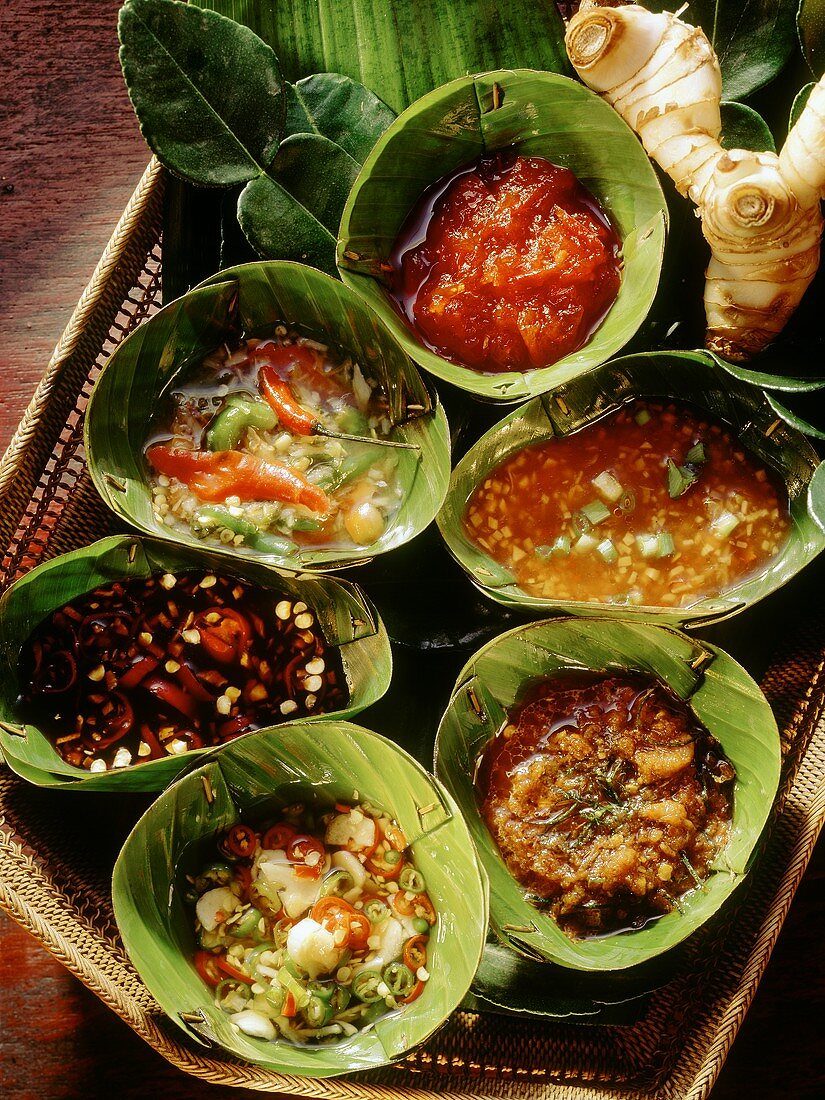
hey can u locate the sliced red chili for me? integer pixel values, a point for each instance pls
(419, 906)
(281, 400)
(169, 693)
(206, 965)
(415, 993)
(138, 671)
(415, 952)
(226, 638)
(289, 1007)
(232, 972)
(241, 840)
(118, 721)
(215, 475)
(278, 836)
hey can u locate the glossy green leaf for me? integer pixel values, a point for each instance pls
(541, 114)
(251, 299)
(744, 128)
(293, 213)
(404, 48)
(208, 92)
(770, 381)
(340, 109)
(753, 39)
(340, 607)
(794, 419)
(325, 761)
(810, 21)
(816, 495)
(690, 377)
(722, 696)
(513, 984)
(798, 105)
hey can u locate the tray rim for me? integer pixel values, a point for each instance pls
(235, 1074)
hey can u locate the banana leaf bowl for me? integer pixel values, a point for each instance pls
(253, 299)
(689, 377)
(538, 114)
(348, 619)
(720, 694)
(321, 763)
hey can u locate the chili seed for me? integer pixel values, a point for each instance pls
(97, 674)
(168, 581)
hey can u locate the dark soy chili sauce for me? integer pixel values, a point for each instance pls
(148, 668)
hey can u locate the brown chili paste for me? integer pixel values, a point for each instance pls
(607, 799)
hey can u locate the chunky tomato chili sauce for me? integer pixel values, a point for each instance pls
(147, 668)
(509, 264)
(655, 505)
(607, 799)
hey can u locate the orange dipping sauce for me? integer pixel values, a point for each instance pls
(509, 264)
(591, 516)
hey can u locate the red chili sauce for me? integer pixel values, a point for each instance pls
(508, 264)
(607, 799)
(656, 505)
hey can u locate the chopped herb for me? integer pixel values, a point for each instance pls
(607, 551)
(697, 455)
(679, 479)
(642, 417)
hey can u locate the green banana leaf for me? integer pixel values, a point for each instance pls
(513, 984)
(721, 695)
(540, 114)
(683, 376)
(325, 761)
(401, 49)
(208, 92)
(348, 619)
(254, 298)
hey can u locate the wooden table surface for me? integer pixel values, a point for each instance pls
(71, 155)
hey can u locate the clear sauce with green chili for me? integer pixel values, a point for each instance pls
(607, 798)
(314, 925)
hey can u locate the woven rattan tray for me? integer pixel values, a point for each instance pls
(55, 884)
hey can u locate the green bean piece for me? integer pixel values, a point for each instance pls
(353, 422)
(399, 979)
(351, 467)
(412, 881)
(213, 515)
(392, 857)
(239, 413)
(365, 986)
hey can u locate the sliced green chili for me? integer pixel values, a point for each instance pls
(412, 881)
(399, 979)
(365, 986)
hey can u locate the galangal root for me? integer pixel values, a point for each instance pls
(760, 212)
